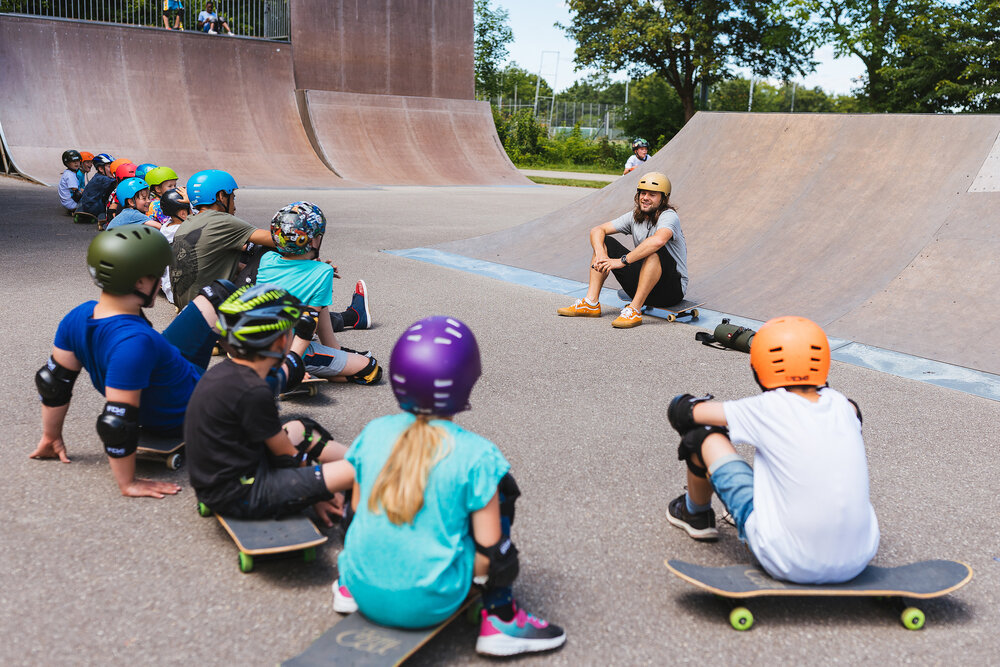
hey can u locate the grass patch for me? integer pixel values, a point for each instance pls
(569, 166)
(572, 182)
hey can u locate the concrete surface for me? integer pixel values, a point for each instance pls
(863, 223)
(89, 577)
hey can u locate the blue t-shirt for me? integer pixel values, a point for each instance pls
(417, 574)
(310, 281)
(126, 352)
(129, 216)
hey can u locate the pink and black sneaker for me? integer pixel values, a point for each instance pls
(522, 634)
(343, 601)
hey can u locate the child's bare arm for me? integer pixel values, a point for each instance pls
(51, 444)
(710, 413)
(123, 468)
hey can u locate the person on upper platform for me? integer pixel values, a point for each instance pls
(209, 21)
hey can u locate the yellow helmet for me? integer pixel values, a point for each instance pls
(654, 181)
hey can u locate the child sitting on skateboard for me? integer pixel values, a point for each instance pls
(297, 231)
(433, 504)
(804, 507)
(243, 462)
(145, 376)
(133, 195)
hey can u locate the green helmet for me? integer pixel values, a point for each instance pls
(254, 316)
(158, 175)
(120, 256)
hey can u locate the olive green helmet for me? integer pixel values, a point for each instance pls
(118, 257)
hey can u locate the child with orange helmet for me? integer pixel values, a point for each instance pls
(804, 507)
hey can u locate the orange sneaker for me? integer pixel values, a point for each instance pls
(581, 309)
(629, 318)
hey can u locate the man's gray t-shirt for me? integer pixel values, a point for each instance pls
(641, 231)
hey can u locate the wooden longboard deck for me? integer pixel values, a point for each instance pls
(683, 307)
(925, 579)
(308, 387)
(272, 536)
(154, 444)
(357, 641)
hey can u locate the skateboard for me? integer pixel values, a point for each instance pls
(169, 450)
(308, 387)
(923, 580)
(81, 218)
(683, 308)
(269, 537)
(357, 641)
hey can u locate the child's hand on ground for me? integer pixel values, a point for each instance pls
(327, 509)
(335, 274)
(50, 448)
(148, 488)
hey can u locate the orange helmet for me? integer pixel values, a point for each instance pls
(117, 163)
(789, 351)
(85, 156)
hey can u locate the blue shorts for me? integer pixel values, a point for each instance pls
(191, 335)
(732, 479)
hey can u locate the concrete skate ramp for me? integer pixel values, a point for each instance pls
(186, 100)
(862, 223)
(385, 47)
(392, 139)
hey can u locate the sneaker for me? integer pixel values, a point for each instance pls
(629, 318)
(522, 634)
(581, 309)
(343, 602)
(359, 304)
(700, 526)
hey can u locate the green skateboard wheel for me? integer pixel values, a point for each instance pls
(741, 618)
(913, 618)
(203, 510)
(309, 555)
(246, 562)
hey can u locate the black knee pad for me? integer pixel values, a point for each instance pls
(509, 493)
(691, 444)
(504, 565)
(118, 428)
(370, 374)
(314, 439)
(55, 384)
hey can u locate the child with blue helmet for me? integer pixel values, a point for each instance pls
(133, 195)
(433, 504)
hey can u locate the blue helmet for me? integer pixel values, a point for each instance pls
(103, 158)
(203, 186)
(128, 189)
(144, 169)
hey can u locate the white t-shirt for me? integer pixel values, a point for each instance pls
(169, 231)
(812, 520)
(676, 246)
(633, 161)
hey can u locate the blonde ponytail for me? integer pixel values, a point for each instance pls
(399, 487)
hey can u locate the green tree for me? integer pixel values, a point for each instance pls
(687, 42)
(514, 78)
(492, 35)
(597, 88)
(654, 111)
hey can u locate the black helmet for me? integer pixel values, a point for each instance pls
(254, 316)
(70, 155)
(120, 256)
(173, 201)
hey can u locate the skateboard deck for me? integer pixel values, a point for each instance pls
(684, 308)
(169, 450)
(357, 641)
(268, 537)
(308, 387)
(922, 580)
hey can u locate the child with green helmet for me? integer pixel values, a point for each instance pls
(146, 377)
(160, 179)
(242, 460)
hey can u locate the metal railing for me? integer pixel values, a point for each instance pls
(266, 19)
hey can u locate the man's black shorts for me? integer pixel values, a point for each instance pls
(667, 290)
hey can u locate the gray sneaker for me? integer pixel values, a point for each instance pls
(700, 526)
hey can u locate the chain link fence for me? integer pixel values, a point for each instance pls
(560, 117)
(265, 19)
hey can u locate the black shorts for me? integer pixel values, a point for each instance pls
(279, 492)
(667, 290)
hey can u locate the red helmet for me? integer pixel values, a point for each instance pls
(125, 170)
(790, 351)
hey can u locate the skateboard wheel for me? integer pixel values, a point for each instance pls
(913, 618)
(474, 613)
(175, 461)
(203, 510)
(309, 555)
(246, 562)
(671, 317)
(313, 390)
(741, 618)
(694, 314)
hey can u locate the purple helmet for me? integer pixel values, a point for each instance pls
(434, 366)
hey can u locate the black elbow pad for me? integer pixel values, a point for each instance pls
(55, 384)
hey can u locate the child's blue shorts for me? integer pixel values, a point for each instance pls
(732, 479)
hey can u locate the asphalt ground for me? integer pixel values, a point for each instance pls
(90, 577)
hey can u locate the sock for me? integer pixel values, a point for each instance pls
(337, 320)
(350, 318)
(693, 508)
(499, 602)
(589, 302)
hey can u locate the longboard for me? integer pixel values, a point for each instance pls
(357, 641)
(169, 450)
(268, 537)
(683, 308)
(308, 387)
(922, 580)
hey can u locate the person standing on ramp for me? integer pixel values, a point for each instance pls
(654, 272)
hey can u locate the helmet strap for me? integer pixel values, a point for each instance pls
(147, 299)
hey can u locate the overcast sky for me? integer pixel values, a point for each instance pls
(534, 32)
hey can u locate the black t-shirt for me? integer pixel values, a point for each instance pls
(230, 415)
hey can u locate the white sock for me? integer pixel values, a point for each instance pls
(589, 302)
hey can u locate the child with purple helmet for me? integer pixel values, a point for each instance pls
(433, 504)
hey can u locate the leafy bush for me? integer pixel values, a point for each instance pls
(528, 145)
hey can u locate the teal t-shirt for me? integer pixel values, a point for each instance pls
(417, 574)
(310, 281)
